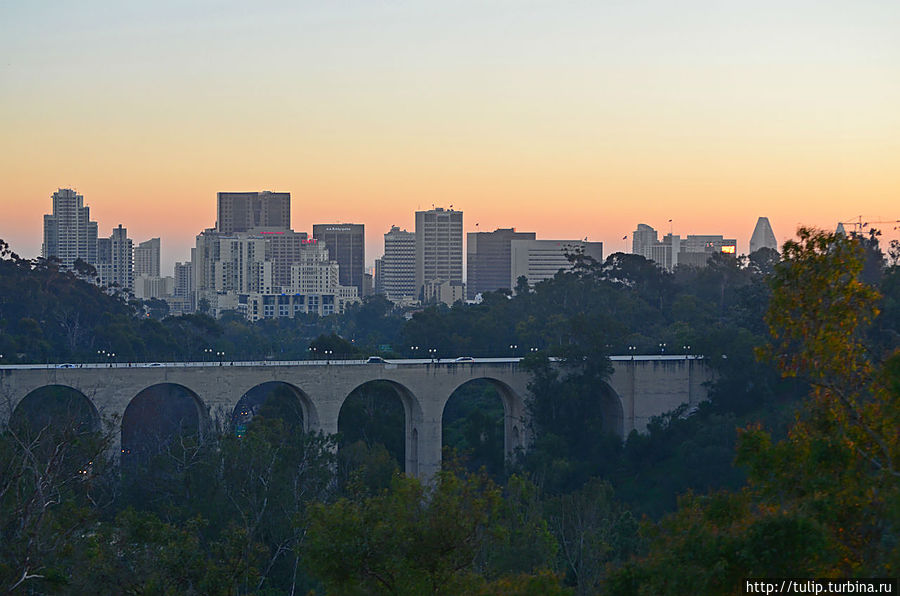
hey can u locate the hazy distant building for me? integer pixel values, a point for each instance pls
(538, 260)
(283, 248)
(643, 239)
(183, 280)
(244, 211)
(439, 246)
(146, 287)
(69, 233)
(378, 278)
(673, 250)
(448, 292)
(115, 260)
(146, 258)
(397, 268)
(488, 259)
(347, 245)
(763, 236)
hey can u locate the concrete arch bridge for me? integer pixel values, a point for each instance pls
(640, 387)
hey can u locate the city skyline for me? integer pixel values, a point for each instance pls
(581, 119)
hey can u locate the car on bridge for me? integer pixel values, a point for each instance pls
(375, 360)
(67, 365)
(465, 359)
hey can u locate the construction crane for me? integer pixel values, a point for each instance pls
(861, 225)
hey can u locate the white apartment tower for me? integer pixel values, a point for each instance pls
(397, 269)
(115, 260)
(69, 233)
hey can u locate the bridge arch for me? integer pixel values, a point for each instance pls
(612, 410)
(49, 404)
(157, 414)
(413, 420)
(254, 398)
(515, 431)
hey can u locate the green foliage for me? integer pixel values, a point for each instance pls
(408, 540)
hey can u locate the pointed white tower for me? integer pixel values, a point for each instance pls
(763, 236)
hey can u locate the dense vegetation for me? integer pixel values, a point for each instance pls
(790, 468)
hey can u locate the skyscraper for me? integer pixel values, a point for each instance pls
(763, 236)
(396, 274)
(643, 239)
(488, 259)
(146, 258)
(243, 211)
(69, 233)
(439, 246)
(115, 260)
(346, 244)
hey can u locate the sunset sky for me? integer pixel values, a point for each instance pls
(570, 119)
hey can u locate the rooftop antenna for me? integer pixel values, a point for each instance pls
(670, 227)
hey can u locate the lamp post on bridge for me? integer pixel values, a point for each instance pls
(414, 350)
(631, 351)
(662, 348)
(220, 356)
(432, 352)
(513, 348)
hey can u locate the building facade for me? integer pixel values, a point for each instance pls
(439, 246)
(539, 260)
(115, 260)
(146, 258)
(347, 245)
(244, 211)
(69, 233)
(395, 272)
(488, 259)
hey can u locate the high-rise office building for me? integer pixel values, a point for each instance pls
(69, 233)
(439, 246)
(146, 258)
(115, 260)
(244, 211)
(347, 245)
(395, 272)
(763, 236)
(539, 260)
(488, 261)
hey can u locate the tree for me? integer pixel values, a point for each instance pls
(824, 501)
(408, 540)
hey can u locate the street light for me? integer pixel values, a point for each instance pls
(414, 350)
(513, 348)
(532, 349)
(686, 348)
(432, 352)
(207, 354)
(312, 351)
(328, 354)
(221, 356)
(662, 348)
